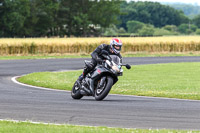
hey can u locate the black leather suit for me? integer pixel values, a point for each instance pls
(96, 57)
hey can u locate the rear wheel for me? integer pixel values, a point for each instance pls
(102, 92)
(75, 93)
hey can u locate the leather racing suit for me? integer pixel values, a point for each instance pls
(97, 58)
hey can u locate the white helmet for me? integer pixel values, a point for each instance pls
(116, 42)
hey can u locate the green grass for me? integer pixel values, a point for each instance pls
(54, 56)
(16, 57)
(168, 54)
(27, 127)
(174, 80)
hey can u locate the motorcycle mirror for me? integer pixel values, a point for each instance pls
(128, 66)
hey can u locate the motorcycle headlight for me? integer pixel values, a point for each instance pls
(115, 68)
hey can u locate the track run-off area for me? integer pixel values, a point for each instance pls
(24, 103)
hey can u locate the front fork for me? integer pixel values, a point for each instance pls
(101, 85)
(91, 91)
(92, 87)
(102, 82)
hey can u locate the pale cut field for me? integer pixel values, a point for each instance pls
(86, 45)
(125, 40)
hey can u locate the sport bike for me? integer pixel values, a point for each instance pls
(99, 81)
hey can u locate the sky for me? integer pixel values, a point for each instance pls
(181, 1)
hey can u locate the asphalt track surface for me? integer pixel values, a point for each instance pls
(19, 102)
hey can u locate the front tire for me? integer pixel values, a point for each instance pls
(75, 93)
(106, 89)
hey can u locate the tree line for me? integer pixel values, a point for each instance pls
(35, 18)
(153, 19)
(151, 13)
(38, 18)
(189, 10)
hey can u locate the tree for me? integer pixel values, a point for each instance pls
(193, 27)
(43, 18)
(151, 13)
(35, 18)
(134, 26)
(198, 31)
(13, 16)
(162, 32)
(189, 10)
(104, 12)
(75, 17)
(187, 28)
(196, 21)
(172, 28)
(146, 31)
(183, 28)
(122, 30)
(1, 14)
(111, 31)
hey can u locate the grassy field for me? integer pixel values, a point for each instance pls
(27, 127)
(174, 80)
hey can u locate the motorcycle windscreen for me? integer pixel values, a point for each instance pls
(116, 59)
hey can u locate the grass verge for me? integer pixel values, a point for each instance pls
(27, 127)
(54, 56)
(48, 56)
(173, 80)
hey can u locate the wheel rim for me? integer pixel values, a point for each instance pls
(76, 88)
(100, 90)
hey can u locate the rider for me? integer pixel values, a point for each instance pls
(113, 49)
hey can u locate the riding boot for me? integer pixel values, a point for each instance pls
(80, 78)
(83, 75)
(86, 70)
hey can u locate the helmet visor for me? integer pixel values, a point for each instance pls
(117, 47)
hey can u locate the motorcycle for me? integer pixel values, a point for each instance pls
(99, 82)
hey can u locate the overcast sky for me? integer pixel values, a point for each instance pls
(181, 1)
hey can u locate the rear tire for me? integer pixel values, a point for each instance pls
(75, 93)
(109, 83)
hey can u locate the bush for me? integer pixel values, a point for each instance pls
(196, 21)
(183, 28)
(121, 30)
(198, 31)
(171, 28)
(111, 31)
(134, 26)
(146, 31)
(162, 31)
(193, 27)
(187, 28)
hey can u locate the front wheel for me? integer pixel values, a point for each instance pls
(76, 94)
(101, 93)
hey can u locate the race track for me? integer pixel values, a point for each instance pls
(19, 102)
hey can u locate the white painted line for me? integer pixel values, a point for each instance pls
(41, 88)
(163, 98)
(33, 122)
(57, 124)
(50, 89)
